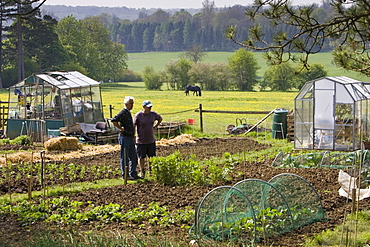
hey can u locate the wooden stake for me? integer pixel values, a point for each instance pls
(354, 200)
(29, 180)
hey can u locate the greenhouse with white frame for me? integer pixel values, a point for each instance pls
(332, 113)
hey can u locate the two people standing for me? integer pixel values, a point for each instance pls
(143, 125)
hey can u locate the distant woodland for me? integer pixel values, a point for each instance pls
(145, 30)
(81, 12)
(96, 40)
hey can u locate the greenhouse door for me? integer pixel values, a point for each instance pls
(324, 115)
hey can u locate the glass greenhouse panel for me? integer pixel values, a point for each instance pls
(343, 95)
(303, 136)
(306, 91)
(324, 84)
(324, 112)
(304, 109)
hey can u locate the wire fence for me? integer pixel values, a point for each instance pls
(215, 122)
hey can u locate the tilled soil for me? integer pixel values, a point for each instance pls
(324, 180)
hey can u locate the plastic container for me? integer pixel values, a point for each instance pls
(279, 124)
(191, 121)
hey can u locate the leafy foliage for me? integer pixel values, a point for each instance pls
(244, 68)
(239, 73)
(55, 173)
(63, 211)
(267, 222)
(279, 78)
(102, 58)
(152, 79)
(176, 170)
(22, 140)
(309, 30)
(194, 53)
(357, 222)
(42, 49)
(177, 73)
(181, 31)
(214, 76)
(315, 71)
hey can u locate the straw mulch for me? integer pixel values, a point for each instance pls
(64, 148)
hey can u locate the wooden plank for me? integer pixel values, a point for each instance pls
(259, 122)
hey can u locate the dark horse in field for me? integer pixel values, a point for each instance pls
(194, 89)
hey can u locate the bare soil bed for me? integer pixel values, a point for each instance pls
(133, 195)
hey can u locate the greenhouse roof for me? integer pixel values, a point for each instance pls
(342, 85)
(59, 79)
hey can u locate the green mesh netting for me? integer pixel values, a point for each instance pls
(303, 200)
(254, 209)
(224, 213)
(271, 210)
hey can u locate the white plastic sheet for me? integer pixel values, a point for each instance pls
(347, 184)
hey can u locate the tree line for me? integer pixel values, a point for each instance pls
(239, 73)
(33, 43)
(97, 46)
(162, 31)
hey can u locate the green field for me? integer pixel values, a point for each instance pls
(137, 61)
(175, 106)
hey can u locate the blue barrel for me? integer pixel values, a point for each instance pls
(279, 124)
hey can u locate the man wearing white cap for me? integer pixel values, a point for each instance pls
(123, 121)
(146, 121)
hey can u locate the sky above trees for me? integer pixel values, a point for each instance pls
(164, 4)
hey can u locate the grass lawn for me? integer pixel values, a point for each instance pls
(174, 106)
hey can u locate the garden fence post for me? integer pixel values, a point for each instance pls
(201, 117)
(110, 111)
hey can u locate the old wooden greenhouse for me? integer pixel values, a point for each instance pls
(51, 100)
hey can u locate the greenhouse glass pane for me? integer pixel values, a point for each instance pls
(303, 136)
(324, 112)
(342, 94)
(324, 84)
(306, 91)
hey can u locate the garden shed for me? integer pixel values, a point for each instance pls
(332, 113)
(47, 101)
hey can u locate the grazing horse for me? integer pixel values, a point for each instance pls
(194, 89)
